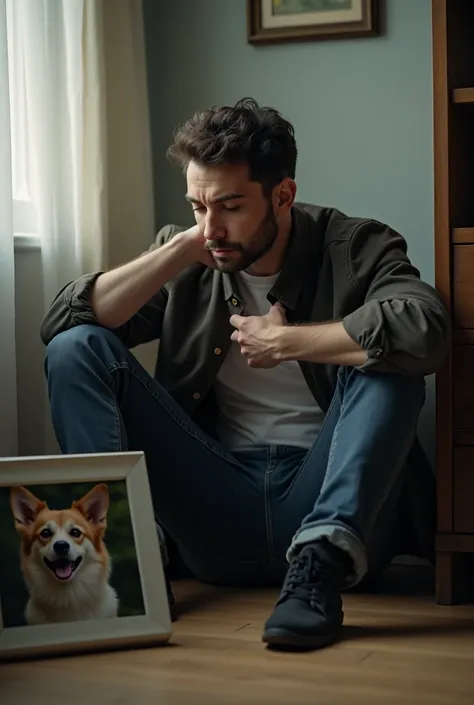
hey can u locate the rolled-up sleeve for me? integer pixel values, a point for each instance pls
(71, 307)
(403, 324)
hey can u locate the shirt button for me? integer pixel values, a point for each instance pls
(217, 351)
(234, 302)
(196, 395)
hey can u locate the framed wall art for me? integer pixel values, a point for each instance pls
(270, 21)
(81, 562)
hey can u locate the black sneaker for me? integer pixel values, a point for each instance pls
(308, 613)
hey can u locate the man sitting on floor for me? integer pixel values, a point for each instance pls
(294, 340)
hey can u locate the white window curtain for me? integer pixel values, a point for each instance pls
(59, 160)
(59, 115)
(80, 163)
(8, 397)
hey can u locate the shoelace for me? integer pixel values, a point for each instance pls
(307, 572)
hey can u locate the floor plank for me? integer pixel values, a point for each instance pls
(398, 647)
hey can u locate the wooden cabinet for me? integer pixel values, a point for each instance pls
(453, 94)
(463, 490)
(463, 282)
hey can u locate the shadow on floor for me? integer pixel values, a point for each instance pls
(410, 580)
(403, 580)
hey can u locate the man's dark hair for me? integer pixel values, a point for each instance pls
(243, 133)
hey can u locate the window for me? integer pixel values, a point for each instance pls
(24, 213)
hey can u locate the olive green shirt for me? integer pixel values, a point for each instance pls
(336, 267)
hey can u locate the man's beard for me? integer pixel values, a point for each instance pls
(259, 244)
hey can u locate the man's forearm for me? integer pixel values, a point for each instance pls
(325, 343)
(118, 294)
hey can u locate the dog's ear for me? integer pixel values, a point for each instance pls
(25, 506)
(94, 505)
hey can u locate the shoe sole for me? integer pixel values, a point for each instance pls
(284, 640)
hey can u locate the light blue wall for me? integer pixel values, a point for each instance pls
(362, 111)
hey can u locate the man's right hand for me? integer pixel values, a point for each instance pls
(195, 246)
(118, 294)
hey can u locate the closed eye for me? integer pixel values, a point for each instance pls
(199, 209)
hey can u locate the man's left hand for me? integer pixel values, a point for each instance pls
(258, 336)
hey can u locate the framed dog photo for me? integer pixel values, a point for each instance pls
(82, 567)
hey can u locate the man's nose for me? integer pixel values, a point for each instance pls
(213, 230)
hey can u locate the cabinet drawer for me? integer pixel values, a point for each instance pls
(463, 480)
(463, 387)
(463, 285)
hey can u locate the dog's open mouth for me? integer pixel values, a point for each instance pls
(62, 568)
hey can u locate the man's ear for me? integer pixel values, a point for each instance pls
(25, 507)
(286, 194)
(94, 505)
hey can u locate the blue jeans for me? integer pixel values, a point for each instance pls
(236, 518)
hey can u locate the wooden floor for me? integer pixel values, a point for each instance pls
(399, 647)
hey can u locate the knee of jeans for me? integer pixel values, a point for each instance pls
(70, 346)
(411, 389)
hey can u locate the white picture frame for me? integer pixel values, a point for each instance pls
(151, 628)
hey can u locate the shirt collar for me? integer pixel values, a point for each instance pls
(298, 262)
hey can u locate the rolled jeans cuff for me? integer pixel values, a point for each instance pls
(339, 536)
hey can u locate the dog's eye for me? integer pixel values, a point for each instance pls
(46, 534)
(75, 533)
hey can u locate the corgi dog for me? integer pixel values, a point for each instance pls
(65, 563)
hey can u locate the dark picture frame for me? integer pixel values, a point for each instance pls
(308, 30)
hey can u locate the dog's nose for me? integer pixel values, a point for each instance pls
(61, 547)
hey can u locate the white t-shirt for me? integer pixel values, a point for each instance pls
(260, 407)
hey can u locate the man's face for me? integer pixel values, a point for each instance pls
(238, 222)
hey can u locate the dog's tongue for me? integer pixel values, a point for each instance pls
(64, 570)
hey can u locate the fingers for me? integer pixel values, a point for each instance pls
(277, 314)
(236, 320)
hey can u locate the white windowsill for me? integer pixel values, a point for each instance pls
(26, 241)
